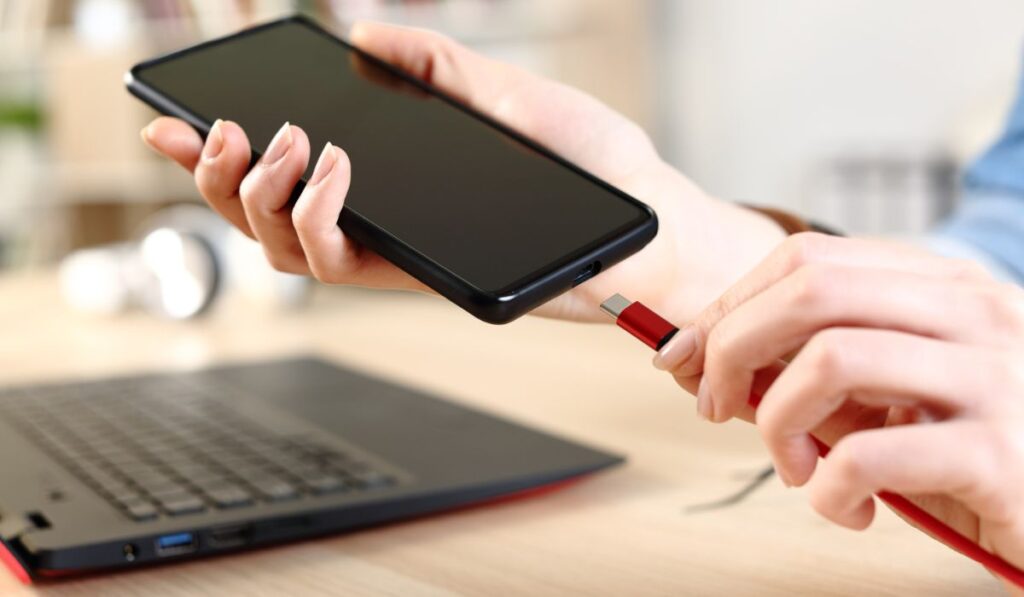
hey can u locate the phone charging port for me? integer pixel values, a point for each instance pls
(587, 273)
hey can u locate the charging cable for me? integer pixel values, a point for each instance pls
(654, 331)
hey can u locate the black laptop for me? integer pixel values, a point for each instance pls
(124, 472)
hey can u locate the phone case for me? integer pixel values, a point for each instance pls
(496, 307)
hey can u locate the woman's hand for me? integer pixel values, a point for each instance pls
(912, 366)
(704, 245)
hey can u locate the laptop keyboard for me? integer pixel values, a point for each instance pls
(162, 447)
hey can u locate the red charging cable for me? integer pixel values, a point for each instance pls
(651, 329)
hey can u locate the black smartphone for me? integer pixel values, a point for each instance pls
(478, 212)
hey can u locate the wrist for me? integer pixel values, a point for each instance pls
(789, 222)
(714, 244)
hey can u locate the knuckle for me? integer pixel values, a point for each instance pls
(821, 501)
(341, 269)
(329, 275)
(301, 216)
(714, 314)
(812, 285)
(849, 461)
(281, 263)
(247, 191)
(768, 423)
(260, 190)
(992, 301)
(824, 355)
(635, 138)
(1006, 439)
(804, 248)
(205, 178)
(1009, 372)
(440, 53)
(718, 345)
(1002, 306)
(687, 382)
(967, 269)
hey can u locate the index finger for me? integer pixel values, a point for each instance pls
(175, 139)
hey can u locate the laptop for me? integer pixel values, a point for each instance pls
(124, 472)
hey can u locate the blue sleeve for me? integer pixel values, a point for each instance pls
(989, 223)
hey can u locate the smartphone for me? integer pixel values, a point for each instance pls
(478, 212)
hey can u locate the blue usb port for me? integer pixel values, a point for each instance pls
(176, 544)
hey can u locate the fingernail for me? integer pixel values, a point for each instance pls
(355, 32)
(279, 145)
(214, 141)
(678, 350)
(145, 134)
(704, 406)
(324, 166)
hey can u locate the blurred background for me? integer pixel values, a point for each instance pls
(860, 115)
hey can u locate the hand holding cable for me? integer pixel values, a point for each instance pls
(910, 366)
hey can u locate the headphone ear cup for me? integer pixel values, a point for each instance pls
(169, 273)
(185, 257)
(181, 274)
(96, 280)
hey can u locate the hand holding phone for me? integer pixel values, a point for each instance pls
(674, 272)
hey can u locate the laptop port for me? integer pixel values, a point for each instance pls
(176, 544)
(228, 536)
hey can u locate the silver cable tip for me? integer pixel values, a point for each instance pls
(615, 305)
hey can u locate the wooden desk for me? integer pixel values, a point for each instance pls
(624, 532)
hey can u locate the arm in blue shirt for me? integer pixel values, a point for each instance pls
(988, 225)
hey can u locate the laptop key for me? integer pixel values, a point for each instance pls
(372, 478)
(102, 478)
(229, 496)
(181, 503)
(276, 490)
(159, 485)
(200, 474)
(325, 483)
(140, 510)
(164, 489)
(121, 493)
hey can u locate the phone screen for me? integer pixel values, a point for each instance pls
(476, 201)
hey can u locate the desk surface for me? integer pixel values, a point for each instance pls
(624, 532)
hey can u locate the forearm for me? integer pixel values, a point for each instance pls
(988, 226)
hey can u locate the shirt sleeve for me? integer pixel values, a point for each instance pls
(988, 225)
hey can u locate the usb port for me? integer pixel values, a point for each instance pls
(587, 273)
(228, 536)
(176, 544)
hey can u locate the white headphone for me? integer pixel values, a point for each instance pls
(184, 259)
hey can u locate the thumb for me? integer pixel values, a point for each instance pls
(567, 121)
(438, 60)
